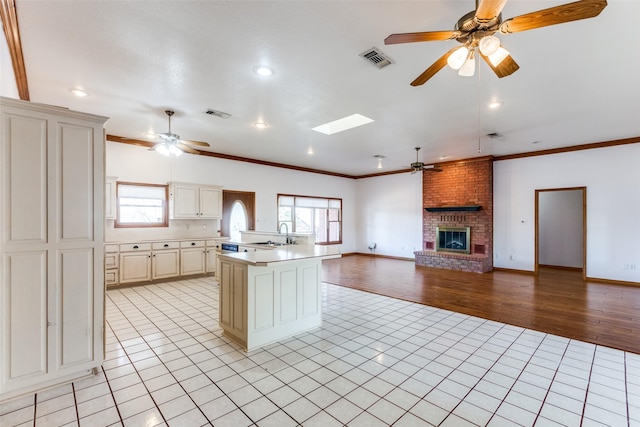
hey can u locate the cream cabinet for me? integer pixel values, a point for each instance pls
(192, 257)
(135, 262)
(196, 201)
(111, 263)
(213, 248)
(233, 300)
(51, 249)
(165, 260)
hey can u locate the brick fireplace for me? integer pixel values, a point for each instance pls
(459, 196)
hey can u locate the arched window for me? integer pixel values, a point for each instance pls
(238, 220)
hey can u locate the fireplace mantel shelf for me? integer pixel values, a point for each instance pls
(467, 208)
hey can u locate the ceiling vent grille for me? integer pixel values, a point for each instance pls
(377, 58)
(217, 113)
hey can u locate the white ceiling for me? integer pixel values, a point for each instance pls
(578, 82)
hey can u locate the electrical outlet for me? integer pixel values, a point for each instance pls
(512, 257)
(625, 266)
(632, 266)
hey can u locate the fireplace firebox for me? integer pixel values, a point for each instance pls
(453, 239)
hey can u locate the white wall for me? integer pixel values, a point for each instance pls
(8, 85)
(389, 212)
(560, 228)
(138, 164)
(612, 178)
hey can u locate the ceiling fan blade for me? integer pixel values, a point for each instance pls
(427, 36)
(433, 69)
(575, 11)
(488, 10)
(507, 67)
(186, 148)
(198, 143)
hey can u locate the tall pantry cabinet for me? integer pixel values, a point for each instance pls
(51, 248)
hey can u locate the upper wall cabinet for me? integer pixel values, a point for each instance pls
(51, 246)
(195, 201)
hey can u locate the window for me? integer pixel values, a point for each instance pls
(303, 214)
(142, 205)
(238, 221)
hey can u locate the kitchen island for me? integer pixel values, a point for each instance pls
(270, 295)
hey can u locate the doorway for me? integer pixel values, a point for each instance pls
(239, 205)
(561, 229)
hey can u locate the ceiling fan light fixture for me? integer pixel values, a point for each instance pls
(468, 69)
(163, 149)
(175, 150)
(457, 58)
(498, 56)
(489, 45)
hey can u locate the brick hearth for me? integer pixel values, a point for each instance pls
(465, 183)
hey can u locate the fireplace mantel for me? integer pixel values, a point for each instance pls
(466, 208)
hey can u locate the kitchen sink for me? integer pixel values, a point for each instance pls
(269, 243)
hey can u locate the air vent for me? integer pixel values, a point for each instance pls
(377, 58)
(494, 135)
(217, 113)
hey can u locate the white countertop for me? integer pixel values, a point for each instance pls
(282, 254)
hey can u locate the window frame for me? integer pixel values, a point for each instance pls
(327, 216)
(165, 207)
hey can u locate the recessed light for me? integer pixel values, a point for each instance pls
(264, 71)
(443, 157)
(494, 104)
(78, 92)
(310, 151)
(260, 125)
(343, 124)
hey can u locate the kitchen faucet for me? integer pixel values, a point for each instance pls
(287, 228)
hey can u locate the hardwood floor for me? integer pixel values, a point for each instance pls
(556, 301)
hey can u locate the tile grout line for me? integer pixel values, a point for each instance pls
(75, 402)
(112, 396)
(35, 408)
(586, 392)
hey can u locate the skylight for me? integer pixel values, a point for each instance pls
(343, 124)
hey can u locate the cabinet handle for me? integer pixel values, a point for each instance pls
(135, 246)
(193, 243)
(166, 245)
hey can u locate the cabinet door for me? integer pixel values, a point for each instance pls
(212, 259)
(186, 201)
(210, 202)
(192, 261)
(165, 264)
(135, 267)
(52, 246)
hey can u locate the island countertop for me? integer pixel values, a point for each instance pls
(285, 253)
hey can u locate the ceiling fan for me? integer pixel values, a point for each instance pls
(418, 166)
(170, 143)
(477, 29)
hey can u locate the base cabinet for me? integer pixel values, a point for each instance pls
(135, 267)
(192, 258)
(52, 246)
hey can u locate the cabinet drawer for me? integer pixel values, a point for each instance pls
(132, 247)
(111, 260)
(192, 244)
(111, 277)
(165, 245)
(110, 248)
(213, 243)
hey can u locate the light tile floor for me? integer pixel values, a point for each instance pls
(376, 361)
